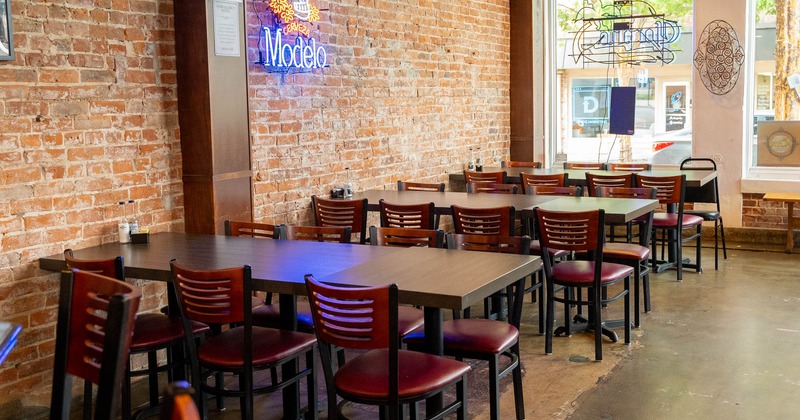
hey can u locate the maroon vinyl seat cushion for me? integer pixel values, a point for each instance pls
(156, 330)
(671, 219)
(365, 377)
(472, 335)
(269, 346)
(581, 273)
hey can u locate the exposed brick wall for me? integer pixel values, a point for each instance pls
(88, 118)
(411, 86)
(757, 213)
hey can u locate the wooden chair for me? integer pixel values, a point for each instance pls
(409, 216)
(623, 180)
(383, 374)
(520, 164)
(580, 232)
(486, 339)
(96, 317)
(342, 213)
(484, 221)
(553, 180)
(635, 255)
(340, 234)
(485, 177)
(602, 166)
(632, 167)
(265, 312)
(482, 187)
(222, 297)
(420, 186)
(708, 193)
(250, 229)
(671, 192)
(152, 332)
(179, 402)
(388, 236)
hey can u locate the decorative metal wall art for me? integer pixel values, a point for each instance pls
(623, 32)
(719, 57)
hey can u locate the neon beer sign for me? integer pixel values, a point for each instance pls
(278, 51)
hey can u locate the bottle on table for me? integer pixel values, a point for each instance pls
(348, 186)
(471, 164)
(478, 163)
(124, 228)
(133, 224)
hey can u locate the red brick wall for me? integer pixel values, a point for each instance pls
(411, 86)
(757, 213)
(88, 117)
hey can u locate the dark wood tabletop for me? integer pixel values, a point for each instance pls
(428, 277)
(694, 177)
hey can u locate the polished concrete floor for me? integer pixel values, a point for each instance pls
(718, 345)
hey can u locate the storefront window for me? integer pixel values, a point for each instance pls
(605, 44)
(775, 94)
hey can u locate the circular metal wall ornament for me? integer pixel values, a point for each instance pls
(781, 143)
(719, 57)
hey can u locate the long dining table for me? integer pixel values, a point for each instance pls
(437, 279)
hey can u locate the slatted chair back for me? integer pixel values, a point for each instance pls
(420, 186)
(571, 231)
(631, 167)
(481, 187)
(622, 179)
(555, 180)
(669, 189)
(114, 267)
(485, 177)
(250, 229)
(96, 316)
(572, 191)
(484, 221)
(411, 216)
(340, 213)
(340, 234)
(388, 236)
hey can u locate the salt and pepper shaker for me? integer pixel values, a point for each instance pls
(478, 163)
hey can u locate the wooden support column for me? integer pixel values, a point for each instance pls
(213, 114)
(522, 88)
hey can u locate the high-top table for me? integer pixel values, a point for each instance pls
(618, 210)
(437, 279)
(694, 177)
